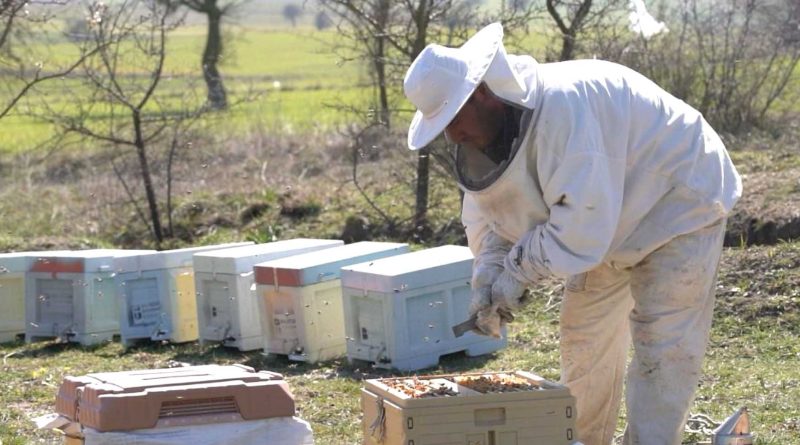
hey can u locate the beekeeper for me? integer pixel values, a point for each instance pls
(588, 171)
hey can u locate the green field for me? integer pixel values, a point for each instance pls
(282, 80)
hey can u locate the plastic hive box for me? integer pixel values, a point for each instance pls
(13, 267)
(72, 296)
(157, 296)
(467, 409)
(160, 398)
(399, 310)
(300, 299)
(227, 310)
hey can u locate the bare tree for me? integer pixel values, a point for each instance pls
(113, 104)
(732, 60)
(575, 17)
(322, 21)
(387, 36)
(292, 12)
(215, 11)
(21, 20)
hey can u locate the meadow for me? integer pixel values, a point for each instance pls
(284, 148)
(286, 81)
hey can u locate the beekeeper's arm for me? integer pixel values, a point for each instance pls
(583, 188)
(490, 251)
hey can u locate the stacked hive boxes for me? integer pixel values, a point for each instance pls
(157, 294)
(474, 409)
(300, 299)
(227, 310)
(399, 310)
(72, 295)
(170, 406)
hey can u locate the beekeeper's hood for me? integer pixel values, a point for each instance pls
(441, 79)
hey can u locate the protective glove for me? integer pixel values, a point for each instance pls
(505, 296)
(488, 266)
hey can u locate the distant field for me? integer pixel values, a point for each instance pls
(290, 77)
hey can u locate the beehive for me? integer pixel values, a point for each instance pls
(159, 398)
(227, 310)
(495, 408)
(13, 267)
(157, 295)
(71, 295)
(300, 299)
(399, 310)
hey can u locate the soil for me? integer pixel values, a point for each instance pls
(769, 210)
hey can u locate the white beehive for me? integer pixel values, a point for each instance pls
(300, 299)
(399, 310)
(156, 294)
(226, 305)
(13, 267)
(71, 295)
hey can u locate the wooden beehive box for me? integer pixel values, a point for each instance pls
(491, 408)
(159, 398)
(399, 310)
(71, 295)
(300, 299)
(157, 295)
(227, 310)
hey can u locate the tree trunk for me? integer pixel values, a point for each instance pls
(423, 156)
(380, 61)
(146, 179)
(423, 174)
(567, 47)
(211, 56)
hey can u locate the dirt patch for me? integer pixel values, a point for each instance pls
(769, 210)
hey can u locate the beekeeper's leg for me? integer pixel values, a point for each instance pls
(673, 290)
(594, 343)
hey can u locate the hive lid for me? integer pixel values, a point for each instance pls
(242, 259)
(81, 261)
(411, 270)
(187, 395)
(315, 267)
(167, 259)
(21, 261)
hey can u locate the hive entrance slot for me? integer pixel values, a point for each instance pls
(196, 407)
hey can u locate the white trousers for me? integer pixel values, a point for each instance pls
(664, 304)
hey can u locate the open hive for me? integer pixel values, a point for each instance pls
(497, 408)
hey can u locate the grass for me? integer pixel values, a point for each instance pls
(310, 76)
(750, 362)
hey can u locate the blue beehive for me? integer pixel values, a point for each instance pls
(399, 310)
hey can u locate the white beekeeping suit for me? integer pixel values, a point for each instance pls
(613, 184)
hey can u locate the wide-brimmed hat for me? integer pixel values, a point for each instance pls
(441, 79)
